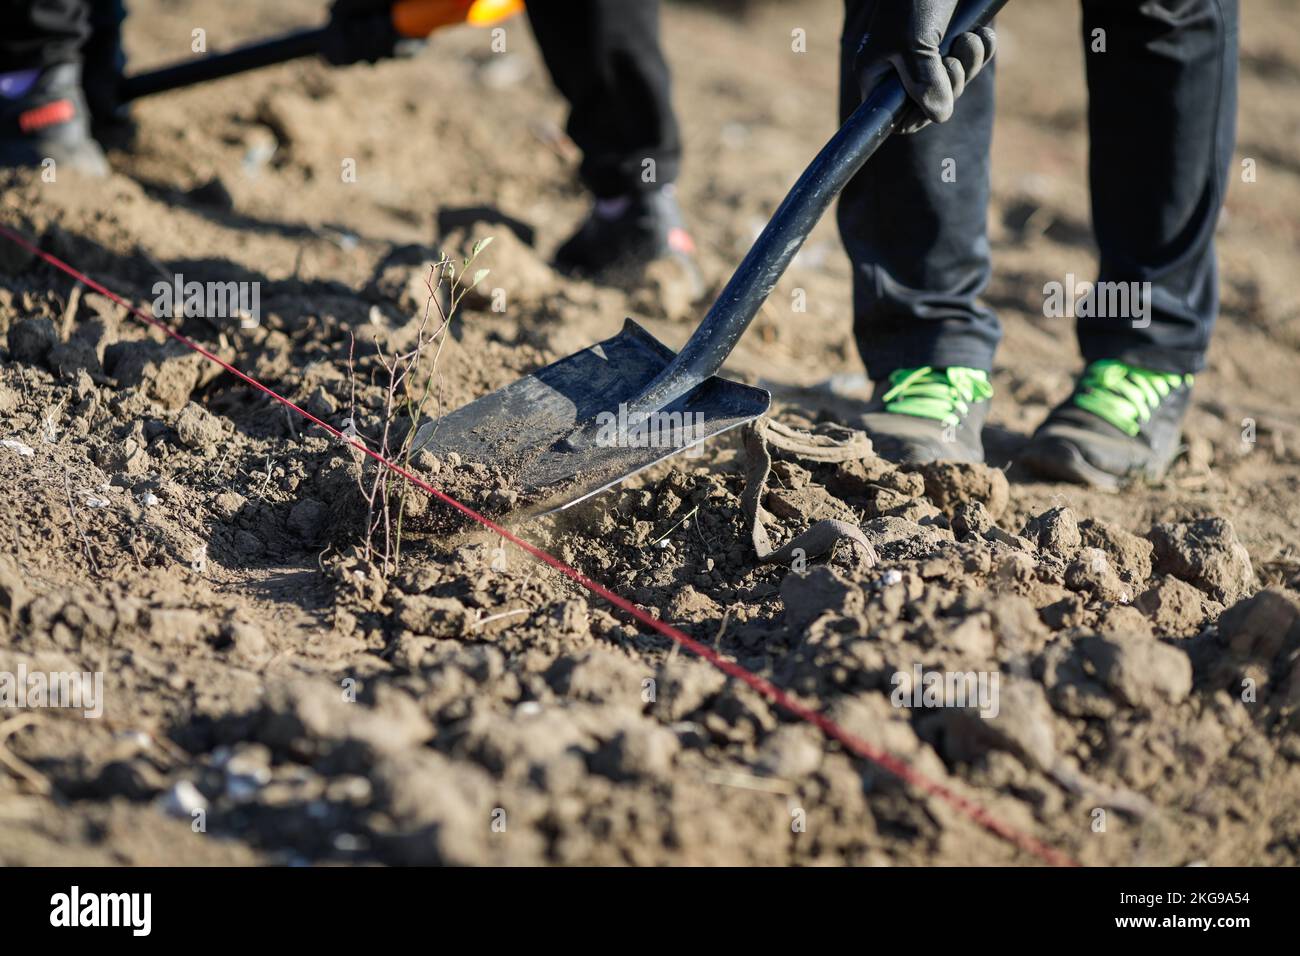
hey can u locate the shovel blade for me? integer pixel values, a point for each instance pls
(520, 431)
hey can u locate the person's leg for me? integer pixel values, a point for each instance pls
(1162, 81)
(1162, 115)
(914, 224)
(605, 58)
(35, 34)
(44, 119)
(104, 64)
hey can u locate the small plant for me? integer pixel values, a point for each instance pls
(407, 397)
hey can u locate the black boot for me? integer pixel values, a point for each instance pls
(930, 414)
(626, 234)
(43, 116)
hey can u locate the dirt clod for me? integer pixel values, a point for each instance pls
(30, 340)
(1205, 553)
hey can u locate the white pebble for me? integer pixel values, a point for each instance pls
(183, 799)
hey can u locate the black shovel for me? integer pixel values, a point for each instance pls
(599, 416)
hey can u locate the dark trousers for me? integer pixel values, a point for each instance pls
(40, 33)
(604, 56)
(1162, 118)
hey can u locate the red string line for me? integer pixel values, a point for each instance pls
(854, 744)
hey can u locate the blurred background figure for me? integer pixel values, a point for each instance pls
(61, 62)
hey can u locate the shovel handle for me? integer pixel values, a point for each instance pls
(839, 161)
(253, 56)
(412, 19)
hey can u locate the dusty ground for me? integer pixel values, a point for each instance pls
(184, 536)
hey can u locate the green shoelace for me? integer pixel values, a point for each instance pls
(943, 394)
(1125, 395)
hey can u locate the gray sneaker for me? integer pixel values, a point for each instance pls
(930, 414)
(1122, 424)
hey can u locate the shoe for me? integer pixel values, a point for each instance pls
(627, 233)
(1122, 423)
(930, 414)
(43, 115)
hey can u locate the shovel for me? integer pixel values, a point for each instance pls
(411, 19)
(595, 418)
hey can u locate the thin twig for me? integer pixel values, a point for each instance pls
(722, 629)
(70, 311)
(496, 617)
(686, 517)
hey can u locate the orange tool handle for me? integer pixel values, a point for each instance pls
(419, 18)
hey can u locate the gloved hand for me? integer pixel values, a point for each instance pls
(359, 31)
(904, 35)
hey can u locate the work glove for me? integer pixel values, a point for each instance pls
(359, 31)
(904, 36)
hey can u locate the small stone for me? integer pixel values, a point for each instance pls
(1204, 553)
(820, 590)
(183, 800)
(791, 752)
(1091, 571)
(126, 457)
(433, 616)
(1174, 607)
(970, 519)
(1140, 671)
(1055, 530)
(196, 427)
(643, 749)
(1130, 553)
(1262, 626)
(307, 519)
(949, 483)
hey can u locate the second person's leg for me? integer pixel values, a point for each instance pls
(605, 58)
(43, 113)
(914, 223)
